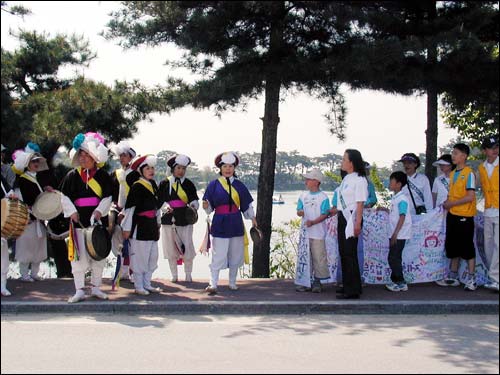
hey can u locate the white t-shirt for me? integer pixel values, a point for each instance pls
(421, 189)
(314, 204)
(353, 189)
(400, 205)
(441, 187)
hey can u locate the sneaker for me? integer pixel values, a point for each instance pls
(301, 288)
(153, 289)
(26, 279)
(36, 278)
(492, 285)
(449, 281)
(393, 287)
(233, 288)
(79, 296)
(316, 287)
(211, 290)
(174, 279)
(6, 292)
(470, 285)
(98, 293)
(403, 287)
(189, 279)
(142, 292)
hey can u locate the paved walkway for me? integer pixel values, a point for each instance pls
(255, 296)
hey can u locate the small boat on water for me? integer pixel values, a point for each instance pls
(278, 200)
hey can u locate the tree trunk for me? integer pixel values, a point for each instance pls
(431, 134)
(261, 251)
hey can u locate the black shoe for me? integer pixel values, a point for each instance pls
(348, 296)
(339, 290)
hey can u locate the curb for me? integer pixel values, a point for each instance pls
(255, 308)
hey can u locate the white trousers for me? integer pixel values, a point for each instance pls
(491, 246)
(5, 260)
(144, 261)
(31, 246)
(84, 263)
(185, 236)
(226, 253)
(188, 267)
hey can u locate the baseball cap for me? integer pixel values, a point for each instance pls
(490, 141)
(410, 156)
(314, 174)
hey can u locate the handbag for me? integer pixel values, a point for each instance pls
(419, 210)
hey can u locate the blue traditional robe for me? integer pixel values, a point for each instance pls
(230, 224)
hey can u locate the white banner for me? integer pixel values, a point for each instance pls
(424, 257)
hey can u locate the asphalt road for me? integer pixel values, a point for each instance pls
(101, 343)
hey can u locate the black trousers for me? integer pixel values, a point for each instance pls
(348, 249)
(396, 261)
(60, 255)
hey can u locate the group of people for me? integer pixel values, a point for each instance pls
(130, 199)
(138, 206)
(454, 190)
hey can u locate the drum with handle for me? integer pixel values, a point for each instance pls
(58, 228)
(97, 241)
(15, 218)
(191, 215)
(47, 205)
(256, 235)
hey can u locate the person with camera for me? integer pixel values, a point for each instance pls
(418, 188)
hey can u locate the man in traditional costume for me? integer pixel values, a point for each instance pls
(31, 246)
(4, 193)
(178, 194)
(228, 197)
(87, 197)
(141, 224)
(120, 191)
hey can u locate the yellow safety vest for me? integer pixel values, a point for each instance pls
(458, 190)
(490, 186)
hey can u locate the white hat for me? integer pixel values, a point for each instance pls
(229, 157)
(23, 158)
(443, 160)
(178, 160)
(440, 162)
(314, 174)
(143, 160)
(93, 144)
(123, 148)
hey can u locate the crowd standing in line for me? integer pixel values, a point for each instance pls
(138, 212)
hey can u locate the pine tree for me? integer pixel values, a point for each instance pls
(242, 49)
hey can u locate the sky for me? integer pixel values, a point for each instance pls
(382, 126)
